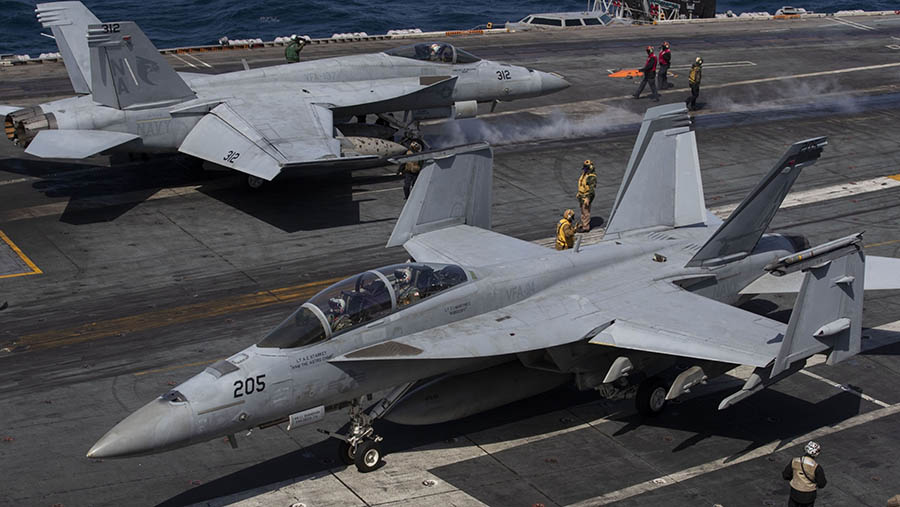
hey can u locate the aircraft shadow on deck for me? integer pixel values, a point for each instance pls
(301, 204)
(99, 193)
(758, 421)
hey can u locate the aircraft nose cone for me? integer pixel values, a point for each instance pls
(552, 82)
(156, 426)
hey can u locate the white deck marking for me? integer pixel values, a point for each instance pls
(714, 65)
(854, 24)
(182, 60)
(844, 388)
(718, 464)
(201, 62)
(824, 193)
(10, 182)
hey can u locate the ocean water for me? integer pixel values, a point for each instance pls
(198, 22)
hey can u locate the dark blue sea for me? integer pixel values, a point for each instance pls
(198, 22)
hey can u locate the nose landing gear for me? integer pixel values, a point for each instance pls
(361, 446)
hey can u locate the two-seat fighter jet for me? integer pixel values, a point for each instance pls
(480, 319)
(260, 122)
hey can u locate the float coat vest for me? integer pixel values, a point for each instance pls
(804, 474)
(565, 235)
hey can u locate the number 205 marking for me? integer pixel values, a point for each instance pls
(231, 156)
(503, 74)
(249, 386)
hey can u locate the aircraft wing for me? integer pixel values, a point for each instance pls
(882, 273)
(659, 318)
(470, 246)
(264, 135)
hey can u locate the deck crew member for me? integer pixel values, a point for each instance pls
(665, 59)
(649, 70)
(694, 81)
(292, 50)
(587, 182)
(806, 477)
(565, 231)
(410, 170)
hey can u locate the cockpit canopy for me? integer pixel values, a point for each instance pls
(434, 52)
(361, 299)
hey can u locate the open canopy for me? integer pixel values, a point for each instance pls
(361, 299)
(434, 52)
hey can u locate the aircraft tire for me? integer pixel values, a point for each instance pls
(345, 453)
(368, 455)
(255, 182)
(651, 397)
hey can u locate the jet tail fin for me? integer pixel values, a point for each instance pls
(662, 185)
(127, 69)
(740, 233)
(827, 313)
(453, 188)
(69, 21)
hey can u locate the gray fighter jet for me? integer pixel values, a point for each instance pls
(480, 319)
(260, 122)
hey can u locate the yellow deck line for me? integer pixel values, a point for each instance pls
(170, 316)
(34, 269)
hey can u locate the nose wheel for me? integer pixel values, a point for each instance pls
(361, 446)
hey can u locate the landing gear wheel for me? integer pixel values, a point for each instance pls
(345, 453)
(255, 182)
(651, 397)
(368, 455)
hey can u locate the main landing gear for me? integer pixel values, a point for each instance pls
(650, 399)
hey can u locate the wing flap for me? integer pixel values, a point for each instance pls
(630, 335)
(76, 143)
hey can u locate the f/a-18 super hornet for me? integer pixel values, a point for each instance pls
(260, 122)
(646, 313)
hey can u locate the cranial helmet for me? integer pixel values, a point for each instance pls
(337, 304)
(569, 215)
(664, 45)
(415, 146)
(588, 162)
(812, 449)
(649, 50)
(402, 274)
(699, 60)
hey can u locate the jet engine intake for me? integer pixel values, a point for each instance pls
(21, 126)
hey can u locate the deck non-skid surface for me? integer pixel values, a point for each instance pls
(151, 269)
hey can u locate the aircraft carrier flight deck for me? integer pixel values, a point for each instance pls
(120, 279)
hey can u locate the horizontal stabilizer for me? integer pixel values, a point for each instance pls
(882, 273)
(453, 188)
(76, 144)
(662, 185)
(740, 233)
(5, 110)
